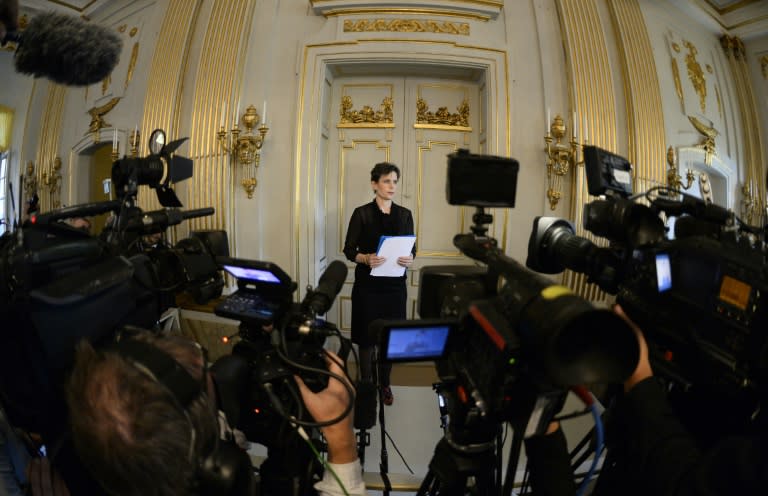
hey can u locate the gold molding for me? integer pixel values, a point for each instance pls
(731, 7)
(678, 84)
(132, 64)
(366, 116)
(420, 180)
(442, 119)
(696, 74)
(406, 26)
(73, 7)
(708, 143)
(764, 66)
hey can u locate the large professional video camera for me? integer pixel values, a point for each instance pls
(280, 338)
(508, 343)
(59, 284)
(699, 297)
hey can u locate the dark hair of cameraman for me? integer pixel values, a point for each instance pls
(126, 427)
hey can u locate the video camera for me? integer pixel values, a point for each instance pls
(59, 284)
(507, 342)
(279, 339)
(699, 298)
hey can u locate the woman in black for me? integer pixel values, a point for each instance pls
(377, 297)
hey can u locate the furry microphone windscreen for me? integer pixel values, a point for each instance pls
(67, 50)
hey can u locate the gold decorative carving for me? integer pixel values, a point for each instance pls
(105, 84)
(122, 28)
(732, 46)
(676, 47)
(365, 117)
(133, 32)
(764, 66)
(696, 74)
(30, 181)
(425, 118)
(52, 182)
(678, 84)
(132, 64)
(708, 143)
(674, 181)
(709, 68)
(97, 117)
(719, 102)
(406, 26)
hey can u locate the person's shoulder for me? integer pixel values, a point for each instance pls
(365, 206)
(400, 208)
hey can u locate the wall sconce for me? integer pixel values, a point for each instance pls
(246, 148)
(561, 156)
(52, 182)
(134, 142)
(750, 204)
(674, 181)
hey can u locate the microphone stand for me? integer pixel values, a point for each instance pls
(384, 463)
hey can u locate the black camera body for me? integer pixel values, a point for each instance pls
(506, 341)
(699, 298)
(280, 338)
(59, 284)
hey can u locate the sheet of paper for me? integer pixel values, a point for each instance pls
(392, 247)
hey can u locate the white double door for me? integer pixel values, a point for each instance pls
(420, 151)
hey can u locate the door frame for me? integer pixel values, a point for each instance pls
(321, 59)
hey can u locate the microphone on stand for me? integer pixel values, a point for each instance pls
(65, 49)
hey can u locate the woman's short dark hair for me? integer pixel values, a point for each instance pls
(383, 169)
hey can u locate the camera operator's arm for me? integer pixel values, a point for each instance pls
(342, 449)
(663, 456)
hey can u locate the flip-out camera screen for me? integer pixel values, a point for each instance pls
(251, 274)
(413, 341)
(663, 272)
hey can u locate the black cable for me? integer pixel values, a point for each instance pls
(282, 353)
(394, 445)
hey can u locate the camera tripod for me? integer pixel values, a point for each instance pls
(471, 469)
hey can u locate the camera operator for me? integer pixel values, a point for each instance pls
(135, 437)
(651, 452)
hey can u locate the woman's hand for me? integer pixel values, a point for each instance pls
(374, 260)
(405, 261)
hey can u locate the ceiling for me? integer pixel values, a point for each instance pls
(743, 18)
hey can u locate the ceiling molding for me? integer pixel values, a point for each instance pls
(472, 9)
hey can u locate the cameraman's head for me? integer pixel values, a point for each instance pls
(130, 430)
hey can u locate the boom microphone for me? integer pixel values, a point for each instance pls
(329, 285)
(66, 50)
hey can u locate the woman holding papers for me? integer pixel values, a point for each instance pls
(377, 297)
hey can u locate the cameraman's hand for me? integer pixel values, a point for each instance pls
(643, 369)
(328, 404)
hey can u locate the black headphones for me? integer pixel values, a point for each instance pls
(227, 470)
